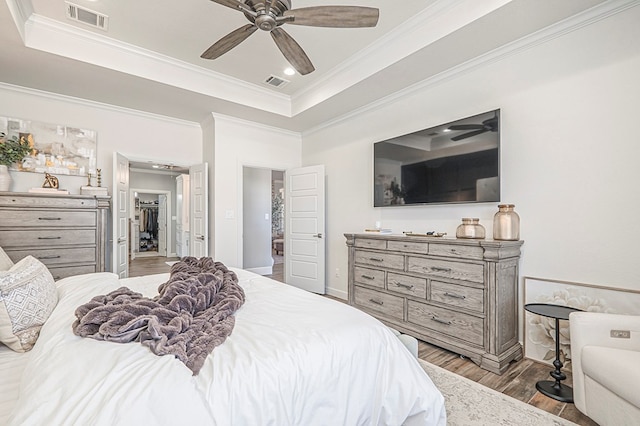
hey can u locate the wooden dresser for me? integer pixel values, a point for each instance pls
(461, 295)
(68, 233)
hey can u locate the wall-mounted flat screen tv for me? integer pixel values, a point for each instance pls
(456, 162)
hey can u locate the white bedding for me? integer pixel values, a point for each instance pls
(294, 358)
(11, 367)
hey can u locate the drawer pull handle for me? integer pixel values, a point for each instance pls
(441, 321)
(436, 269)
(455, 296)
(368, 277)
(49, 218)
(407, 286)
(376, 259)
(49, 238)
(48, 257)
(377, 302)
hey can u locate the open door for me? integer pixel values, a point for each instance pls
(304, 233)
(199, 211)
(121, 209)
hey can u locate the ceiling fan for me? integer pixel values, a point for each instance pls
(270, 15)
(488, 125)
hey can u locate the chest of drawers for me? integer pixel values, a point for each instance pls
(461, 295)
(68, 233)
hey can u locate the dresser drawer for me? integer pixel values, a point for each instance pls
(372, 277)
(408, 246)
(382, 303)
(472, 272)
(458, 251)
(457, 295)
(46, 237)
(455, 324)
(69, 271)
(59, 256)
(48, 218)
(405, 284)
(367, 243)
(23, 201)
(383, 260)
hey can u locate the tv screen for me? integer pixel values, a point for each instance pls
(456, 162)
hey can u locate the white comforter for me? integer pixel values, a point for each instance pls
(294, 358)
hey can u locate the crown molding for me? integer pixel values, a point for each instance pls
(93, 104)
(20, 12)
(566, 26)
(65, 40)
(421, 30)
(247, 123)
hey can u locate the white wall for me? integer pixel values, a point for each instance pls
(569, 159)
(237, 144)
(136, 135)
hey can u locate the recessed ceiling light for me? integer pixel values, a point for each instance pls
(289, 71)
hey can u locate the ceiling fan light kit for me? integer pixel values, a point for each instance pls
(270, 15)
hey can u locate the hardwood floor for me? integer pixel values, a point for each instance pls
(149, 265)
(518, 381)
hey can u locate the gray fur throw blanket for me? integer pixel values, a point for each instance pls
(191, 315)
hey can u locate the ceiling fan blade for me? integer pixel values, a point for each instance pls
(292, 51)
(334, 16)
(233, 4)
(468, 135)
(466, 127)
(229, 41)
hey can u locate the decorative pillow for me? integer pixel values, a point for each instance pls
(5, 262)
(27, 297)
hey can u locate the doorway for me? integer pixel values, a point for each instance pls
(150, 234)
(145, 190)
(263, 221)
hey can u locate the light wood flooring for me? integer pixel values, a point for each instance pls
(518, 381)
(149, 265)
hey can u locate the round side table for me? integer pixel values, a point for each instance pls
(554, 389)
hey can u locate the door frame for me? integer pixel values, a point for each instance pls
(132, 191)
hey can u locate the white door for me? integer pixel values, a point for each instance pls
(121, 209)
(198, 211)
(304, 233)
(162, 225)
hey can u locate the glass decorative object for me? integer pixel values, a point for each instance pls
(506, 223)
(470, 228)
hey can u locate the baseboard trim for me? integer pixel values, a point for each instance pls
(263, 270)
(340, 294)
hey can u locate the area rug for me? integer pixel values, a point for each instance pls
(471, 404)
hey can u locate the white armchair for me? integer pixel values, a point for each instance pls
(605, 356)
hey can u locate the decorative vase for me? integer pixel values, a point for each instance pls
(5, 178)
(506, 223)
(470, 228)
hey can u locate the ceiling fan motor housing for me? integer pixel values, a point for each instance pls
(267, 21)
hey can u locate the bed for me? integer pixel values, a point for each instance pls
(293, 358)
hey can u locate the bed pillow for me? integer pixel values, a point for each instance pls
(5, 262)
(27, 298)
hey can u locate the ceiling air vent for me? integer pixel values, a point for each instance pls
(274, 81)
(86, 16)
